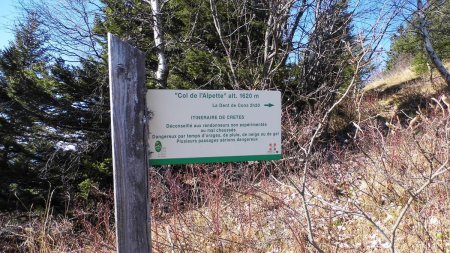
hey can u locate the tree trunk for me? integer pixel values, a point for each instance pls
(428, 46)
(158, 34)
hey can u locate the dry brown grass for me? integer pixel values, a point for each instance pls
(392, 79)
(86, 230)
(395, 88)
(401, 75)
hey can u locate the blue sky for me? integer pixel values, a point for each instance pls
(8, 14)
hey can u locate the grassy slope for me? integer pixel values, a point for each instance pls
(403, 87)
(400, 77)
(389, 80)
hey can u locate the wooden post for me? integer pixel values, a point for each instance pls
(128, 129)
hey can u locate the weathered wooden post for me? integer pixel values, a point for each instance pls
(128, 129)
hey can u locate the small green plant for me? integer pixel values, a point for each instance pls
(85, 188)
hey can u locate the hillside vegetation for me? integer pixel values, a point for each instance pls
(429, 83)
(402, 92)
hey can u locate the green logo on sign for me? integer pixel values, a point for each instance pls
(158, 146)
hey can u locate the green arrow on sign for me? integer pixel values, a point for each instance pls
(269, 105)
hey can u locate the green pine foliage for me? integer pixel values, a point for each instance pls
(54, 121)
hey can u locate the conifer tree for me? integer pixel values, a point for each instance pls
(54, 121)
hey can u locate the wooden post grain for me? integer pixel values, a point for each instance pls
(127, 91)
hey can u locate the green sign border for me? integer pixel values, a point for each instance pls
(217, 159)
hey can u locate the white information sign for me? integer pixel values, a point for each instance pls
(202, 126)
